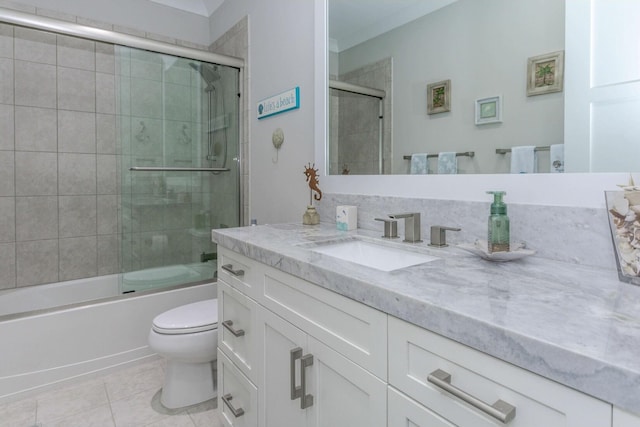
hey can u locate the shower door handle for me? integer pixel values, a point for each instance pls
(228, 325)
(229, 268)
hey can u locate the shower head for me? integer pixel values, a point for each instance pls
(208, 72)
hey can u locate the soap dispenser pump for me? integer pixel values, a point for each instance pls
(498, 238)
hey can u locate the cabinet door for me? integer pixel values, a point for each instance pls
(278, 338)
(237, 329)
(344, 394)
(405, 412)
(237, 397)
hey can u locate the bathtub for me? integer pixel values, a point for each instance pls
(50, 344)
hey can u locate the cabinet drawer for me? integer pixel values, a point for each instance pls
(353, 329)
(237, 396)
(417, 353)
(237, 329)
(239, 271)
(405, 412)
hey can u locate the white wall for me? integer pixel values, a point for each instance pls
(281, 56)
(141, 15)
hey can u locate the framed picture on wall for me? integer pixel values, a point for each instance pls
(489, 110)
(439, 97)
(545, 73)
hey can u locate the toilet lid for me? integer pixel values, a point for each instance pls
(195, 317)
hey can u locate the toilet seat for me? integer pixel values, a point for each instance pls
(188, 319)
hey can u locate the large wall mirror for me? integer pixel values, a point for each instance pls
(481, 79)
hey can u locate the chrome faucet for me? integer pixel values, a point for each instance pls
(411, 226)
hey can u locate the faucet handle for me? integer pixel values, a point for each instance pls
(390, 228)
(438, 235)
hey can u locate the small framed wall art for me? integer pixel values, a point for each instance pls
(489, 110)
(545, 73)
(439, 97)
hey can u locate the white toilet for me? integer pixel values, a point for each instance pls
(187, 337)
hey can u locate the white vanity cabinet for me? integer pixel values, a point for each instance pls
(432, 370)
(625, 419)
(309, 357)
(314, 358)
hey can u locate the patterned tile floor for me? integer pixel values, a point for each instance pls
(126, 398)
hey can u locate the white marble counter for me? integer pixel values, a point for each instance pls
(573, 324)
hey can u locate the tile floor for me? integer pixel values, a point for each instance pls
(126, 398)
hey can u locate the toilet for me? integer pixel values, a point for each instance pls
(187, 337)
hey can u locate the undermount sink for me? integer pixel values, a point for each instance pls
(373, 255)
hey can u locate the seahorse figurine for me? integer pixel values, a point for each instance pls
(312, 178)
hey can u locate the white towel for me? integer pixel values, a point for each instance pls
(419, 164)
(447, 162)
(523, 159)
(556, 158)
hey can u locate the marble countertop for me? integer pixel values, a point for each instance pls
(577, 325)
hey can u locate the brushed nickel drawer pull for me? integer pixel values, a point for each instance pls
(228, 325)
(229, 268)
(501, 410)
(295, 354)
(306, 399)
(227, 398)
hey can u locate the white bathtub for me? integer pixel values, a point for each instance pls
(48, 346)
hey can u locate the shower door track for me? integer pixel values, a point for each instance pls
(69, 28)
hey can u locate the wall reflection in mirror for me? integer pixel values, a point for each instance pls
(483, 48)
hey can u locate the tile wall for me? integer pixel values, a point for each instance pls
(58, 203)
(355, 139)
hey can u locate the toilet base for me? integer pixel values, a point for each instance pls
(186, 384)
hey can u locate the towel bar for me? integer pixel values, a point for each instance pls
(430, 156)
(508, 150)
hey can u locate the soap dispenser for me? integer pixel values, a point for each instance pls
(498, 238)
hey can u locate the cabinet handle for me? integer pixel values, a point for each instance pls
(306, 399)
(295, 354)
(227, 401)
(501, 410)
(228, 325)
(229, 268)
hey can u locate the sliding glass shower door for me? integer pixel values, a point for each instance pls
(178, 128)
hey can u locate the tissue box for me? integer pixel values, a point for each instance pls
(347, 218)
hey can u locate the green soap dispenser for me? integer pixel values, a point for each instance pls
(498, 238)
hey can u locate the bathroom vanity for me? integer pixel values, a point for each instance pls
(309, 339)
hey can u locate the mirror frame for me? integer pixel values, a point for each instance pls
(568, 189)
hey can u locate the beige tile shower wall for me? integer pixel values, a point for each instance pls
(358, 124)
(57, 158)
(76, 175)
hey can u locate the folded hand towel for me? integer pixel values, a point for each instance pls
(447, 162)
(523, 159)
(556, 158)
(419, 164)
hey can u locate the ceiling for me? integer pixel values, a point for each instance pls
(352, 22)
(199, 7)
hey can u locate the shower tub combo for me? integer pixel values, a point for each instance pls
(70, 333)
(176, 175)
